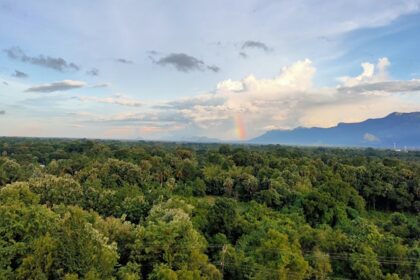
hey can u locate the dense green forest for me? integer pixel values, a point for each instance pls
(90, 209)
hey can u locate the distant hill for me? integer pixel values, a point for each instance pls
(401, 129)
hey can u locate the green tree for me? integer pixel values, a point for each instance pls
(55, 190)
(169, 238)
(10, 171)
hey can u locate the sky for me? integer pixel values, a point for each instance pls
(231, 70)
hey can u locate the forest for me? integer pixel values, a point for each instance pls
(128, 210)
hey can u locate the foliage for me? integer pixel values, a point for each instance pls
(90, 209)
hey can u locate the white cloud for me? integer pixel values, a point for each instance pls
(290, 100)
(286, 101)
(371, 74)
(230, 85)
(260, 103)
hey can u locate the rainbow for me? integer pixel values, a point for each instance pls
(240, 127)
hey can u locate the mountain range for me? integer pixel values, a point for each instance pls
(397, 131)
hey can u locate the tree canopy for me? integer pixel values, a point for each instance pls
(91, 209)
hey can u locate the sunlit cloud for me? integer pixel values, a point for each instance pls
(245, 108)
(371, 74)
(290, 100)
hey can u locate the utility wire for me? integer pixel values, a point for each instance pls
(386, 260)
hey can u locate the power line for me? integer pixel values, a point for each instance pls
(387, 260)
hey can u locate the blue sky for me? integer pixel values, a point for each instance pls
(177, 69)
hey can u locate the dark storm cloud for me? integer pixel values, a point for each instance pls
(55, 63)
(184, 63)
(255, 45)
(19, 74)
(93, 72)
(57, 86)
(124, 61)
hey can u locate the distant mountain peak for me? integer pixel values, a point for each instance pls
(402, 129)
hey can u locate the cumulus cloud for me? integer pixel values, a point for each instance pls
(57, 86)
(124, 61)
(116, 99)
(55, 63)
(250, 97)
(285, 101)
(230, 85)
(255, 45)
(375, 78)
(93, 72)
(19, 74)
(371, 74)
(184, 63)
(290, 100)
